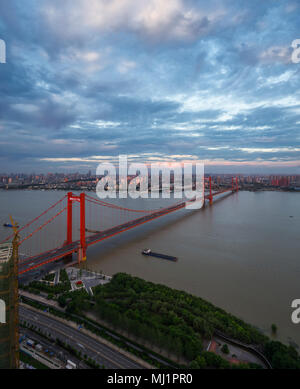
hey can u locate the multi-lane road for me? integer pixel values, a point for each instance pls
(89, 346)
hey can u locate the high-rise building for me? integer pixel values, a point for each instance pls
(8, 309)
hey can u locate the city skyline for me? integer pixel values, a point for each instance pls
(86, 81)
(88, 181)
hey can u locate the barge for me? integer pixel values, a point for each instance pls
(150, 253)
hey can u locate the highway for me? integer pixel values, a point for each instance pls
(96, 350)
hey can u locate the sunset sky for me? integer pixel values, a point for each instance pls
(158, 80)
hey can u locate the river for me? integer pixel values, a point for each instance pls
(242, 254)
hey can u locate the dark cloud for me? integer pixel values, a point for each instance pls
(209, 80)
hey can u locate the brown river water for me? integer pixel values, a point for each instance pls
(241, 254)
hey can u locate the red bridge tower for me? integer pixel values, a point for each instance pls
(82, 246)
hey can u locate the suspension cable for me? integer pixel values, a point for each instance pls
(43, 225)
(35, 219)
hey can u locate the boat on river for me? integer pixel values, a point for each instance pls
(150, 253)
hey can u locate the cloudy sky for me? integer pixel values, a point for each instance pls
(158, 80)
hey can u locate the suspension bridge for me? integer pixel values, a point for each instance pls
(51, 236)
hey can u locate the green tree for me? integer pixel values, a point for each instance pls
(201, 362)
(225, 349)
(274, 328)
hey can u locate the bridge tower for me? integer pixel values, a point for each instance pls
(210, 192)
(235, 184)
(82, 245)
(82, 248)
(69, 219)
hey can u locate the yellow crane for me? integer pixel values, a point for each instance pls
(15, 245)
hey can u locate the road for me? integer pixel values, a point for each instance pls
(56, 278)
(99, 352)
(51, 346)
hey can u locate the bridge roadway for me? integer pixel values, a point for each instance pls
(81, 341)
(33, 263)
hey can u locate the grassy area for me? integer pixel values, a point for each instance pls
(53, 290)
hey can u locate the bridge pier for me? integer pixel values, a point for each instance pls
(81, 254)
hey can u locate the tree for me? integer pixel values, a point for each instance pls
(201, 362)
(274, 328)
(225, 349)
(62, 301)
(194, 365)
(215, 361)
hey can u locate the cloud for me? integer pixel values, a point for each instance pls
(155, 19)
(126, 66)
(273, 54)
(90, 79)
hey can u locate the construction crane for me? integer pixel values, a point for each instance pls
(15, 254)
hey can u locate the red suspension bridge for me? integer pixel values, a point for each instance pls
(51, 236)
